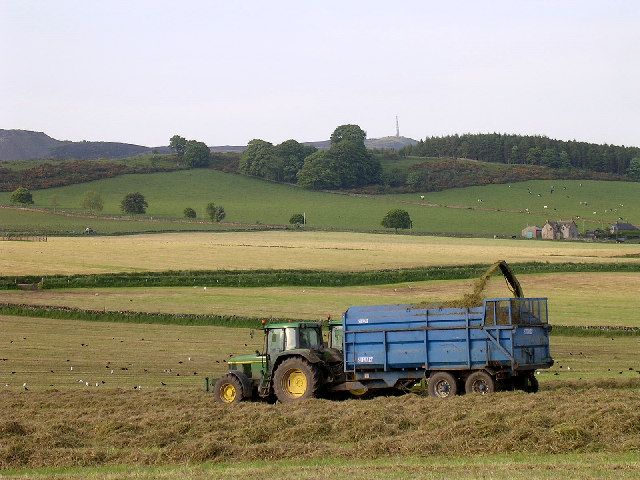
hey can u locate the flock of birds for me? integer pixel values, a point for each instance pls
(83, 381)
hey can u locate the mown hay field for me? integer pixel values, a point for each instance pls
(77, 355)
(115, 427)
(285, 250)
(593, 299)
(487, 210)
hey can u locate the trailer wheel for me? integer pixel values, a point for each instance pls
(295, 379)
(442, 385)
(480, 382)
(228, 389)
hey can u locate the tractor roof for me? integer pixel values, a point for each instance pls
(269, 326)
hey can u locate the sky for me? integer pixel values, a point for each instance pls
(225, 72)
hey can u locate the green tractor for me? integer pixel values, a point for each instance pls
(295, 365)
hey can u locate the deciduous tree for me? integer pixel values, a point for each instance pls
(179, 144)
(92, 201)
(215, 213)
(196, 154)
(134, 203)
(22, 195)
(396, 219)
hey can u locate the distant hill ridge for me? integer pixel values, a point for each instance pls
(29, 145)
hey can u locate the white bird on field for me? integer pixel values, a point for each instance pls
(71, 368)
(545, 206)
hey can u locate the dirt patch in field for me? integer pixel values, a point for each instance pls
(129, 427)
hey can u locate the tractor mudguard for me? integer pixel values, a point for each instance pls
(247, 386)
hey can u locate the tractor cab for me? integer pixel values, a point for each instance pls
(284, 337)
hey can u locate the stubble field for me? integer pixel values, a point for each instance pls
(286, 250)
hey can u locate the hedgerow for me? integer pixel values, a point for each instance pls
(283, 278)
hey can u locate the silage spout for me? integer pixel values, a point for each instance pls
(475, 298)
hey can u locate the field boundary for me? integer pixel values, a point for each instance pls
(307, 278)
(191, 319)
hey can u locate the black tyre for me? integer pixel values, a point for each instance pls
(228, 389)
(527, 383)
(480, 383)
(442, 385)
(295, 379)
(531, 384)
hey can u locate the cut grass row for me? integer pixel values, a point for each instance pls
(311, 278)
(497, 467)
(98, 427)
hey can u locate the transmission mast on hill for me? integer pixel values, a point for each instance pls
(397, 127)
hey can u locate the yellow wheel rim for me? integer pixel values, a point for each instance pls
(228, 393)
(295, 383)
(358, 392)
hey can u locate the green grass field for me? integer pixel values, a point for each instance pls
(501, 210)
(571, 298)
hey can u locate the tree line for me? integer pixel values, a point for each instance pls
(529, 150)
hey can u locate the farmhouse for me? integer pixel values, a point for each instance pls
(560, 230)
(531, 232)
(620, 227)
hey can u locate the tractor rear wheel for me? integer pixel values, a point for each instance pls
(295, 379)
(228, 389)
(442, 385)
(480, 382)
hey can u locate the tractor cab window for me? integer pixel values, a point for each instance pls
(337, 335)
(310, 338)
(275, 343)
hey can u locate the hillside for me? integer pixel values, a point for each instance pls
(384, 143)
(475, 211)
(28, 145)
(25, 145)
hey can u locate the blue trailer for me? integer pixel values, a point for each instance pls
(498, 345)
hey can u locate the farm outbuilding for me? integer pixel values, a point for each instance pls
(620, 227)
(531, 232)
(560, 230)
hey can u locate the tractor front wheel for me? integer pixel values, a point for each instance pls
(295, 379)
(228, 389)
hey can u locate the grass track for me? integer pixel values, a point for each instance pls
(286, 250)
(513, 466)
(571, 298)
